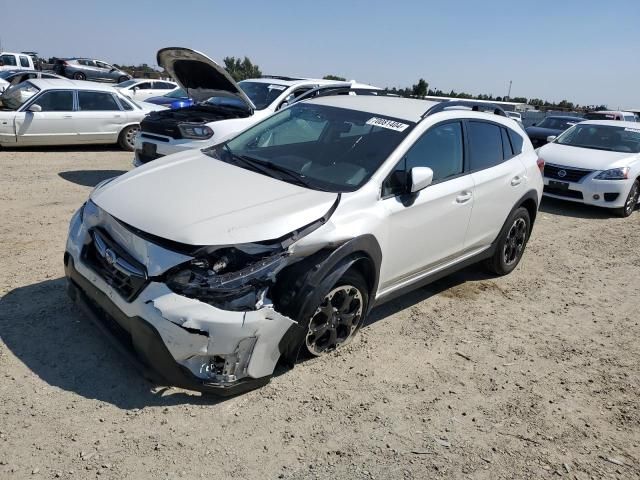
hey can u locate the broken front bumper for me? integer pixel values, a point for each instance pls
(185, 342)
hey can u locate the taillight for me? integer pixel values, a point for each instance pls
(541, 164)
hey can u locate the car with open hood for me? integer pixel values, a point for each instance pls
(221, 106)
(596, 162)
(213, 265)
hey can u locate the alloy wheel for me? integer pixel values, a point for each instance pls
(516, 239)
(632, 199)
(335, 320)
(130, 136)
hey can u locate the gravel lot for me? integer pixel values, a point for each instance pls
(533, 375)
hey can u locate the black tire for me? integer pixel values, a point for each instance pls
(511, 243)
(122, 79)
(631, 201)
(79, 76)
(127, 137)
(325, 334)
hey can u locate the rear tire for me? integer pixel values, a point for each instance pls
(511, 243)
(631, 201)
(79, 76)
(122, 79)
(127, 137)
(338, 317)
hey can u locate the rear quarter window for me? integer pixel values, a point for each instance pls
(485, 145)
(516, 141)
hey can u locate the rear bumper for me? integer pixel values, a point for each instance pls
(141, 342)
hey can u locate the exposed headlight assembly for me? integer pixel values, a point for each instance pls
(195, 131)
(614, 174)
(227, 278)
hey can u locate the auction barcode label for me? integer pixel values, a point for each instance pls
(386, 123)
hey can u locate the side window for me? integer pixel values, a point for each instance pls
(9, 60)
(103, 65)
(125, 105)
(96, 101)
(440, 148)
(60, 101)
(24, 61)
(506, 145)
(516, 141)
(163, 86)
(143, 86)
(485, 142)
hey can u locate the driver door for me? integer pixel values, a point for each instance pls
(427, 229)
(53, 125)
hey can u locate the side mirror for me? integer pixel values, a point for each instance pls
(35, 108)
(533, 124)
(421, 177)
(551, 138)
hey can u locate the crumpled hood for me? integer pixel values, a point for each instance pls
(588, 158)
(195, 199)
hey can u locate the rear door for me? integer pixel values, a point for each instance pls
(53, 125)
(99, 117)
(428, 228)
(499, 177)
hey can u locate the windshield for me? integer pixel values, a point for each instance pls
(555, 123)
(13, 98)
(179, 93)
(260, 93)
(7, 73)
(126, 83)
(602, 137)
(319, 147)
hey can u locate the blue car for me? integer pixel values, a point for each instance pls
(176, 99)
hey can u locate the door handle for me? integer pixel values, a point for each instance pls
(67, 116)
(515, 181)
(117, 116)
(464, 197)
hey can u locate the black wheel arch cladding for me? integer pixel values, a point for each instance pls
(300, 287)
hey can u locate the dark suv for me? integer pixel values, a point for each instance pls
(87, 69)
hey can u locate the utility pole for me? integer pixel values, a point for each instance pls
(509, 94)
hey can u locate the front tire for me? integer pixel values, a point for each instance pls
(631, 201)
(511, 243)
(79, 76)
(127, 137)
(122, 79)
(339, 316)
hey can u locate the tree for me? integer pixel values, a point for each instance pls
(334, 77)
(241, 69)
(420, 89)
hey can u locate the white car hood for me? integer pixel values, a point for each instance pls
(194, 199)
(200, 76)
(587, 158)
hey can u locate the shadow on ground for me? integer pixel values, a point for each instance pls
(66, 148)
(571, 209)
(89, 178)
(59, 344)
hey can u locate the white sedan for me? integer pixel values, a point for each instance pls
(597, 163)
(142, 88)
(66, 112)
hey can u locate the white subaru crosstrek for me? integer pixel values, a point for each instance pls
(214, 265)
(596, 162)
(221, 107)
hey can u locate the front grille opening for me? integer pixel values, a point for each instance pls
(567, 175)
(127, 282)
(563, 193)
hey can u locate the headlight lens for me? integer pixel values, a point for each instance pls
(195, 131)
(614, 174)
(228, 278)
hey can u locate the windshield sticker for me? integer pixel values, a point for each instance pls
(386, 123)
(634, 130)
(276, 87)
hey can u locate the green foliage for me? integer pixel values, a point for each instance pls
(420, 89)
(334, 77)
(241, 69)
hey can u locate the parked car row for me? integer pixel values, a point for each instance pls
(89, 69)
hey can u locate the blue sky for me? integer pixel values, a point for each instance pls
(584, 51)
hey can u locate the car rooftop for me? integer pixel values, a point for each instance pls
(47, 83)
(410, 109)
(613, 123)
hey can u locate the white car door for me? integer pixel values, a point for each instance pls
(427, 228)
(99, 117)
(141, 91)
(499, 177)
(53, 125)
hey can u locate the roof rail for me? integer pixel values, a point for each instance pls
(337, 89)
(282, 77)
(475, 106)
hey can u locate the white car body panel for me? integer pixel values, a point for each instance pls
(142, 94)
(19, 58)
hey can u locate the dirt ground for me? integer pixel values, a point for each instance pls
(533, 375)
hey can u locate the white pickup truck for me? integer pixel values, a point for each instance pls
(16, 61)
